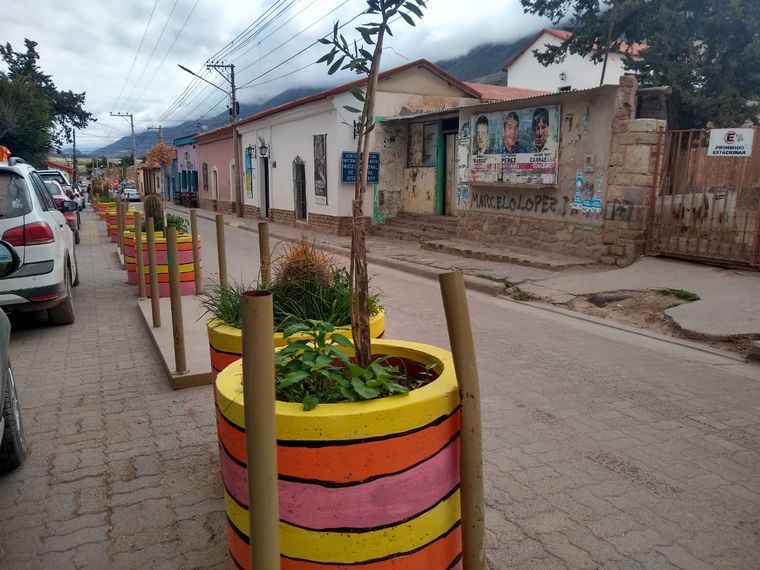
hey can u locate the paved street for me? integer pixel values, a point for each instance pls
(603, 448)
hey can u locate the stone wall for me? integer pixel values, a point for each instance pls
(208, 204)
(279, 216)
(252, 212)
(633, 160)
(390, 142)
(337, 225)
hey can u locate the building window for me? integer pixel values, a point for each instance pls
(204, 169)
(422, 147)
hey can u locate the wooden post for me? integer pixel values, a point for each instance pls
(123, 219)
(221, 250)
(260, 429)
(264, 252)
(140, 268)
(196, 251)
(118, 225)
(153, 272)
(175, 298)
(471, 456)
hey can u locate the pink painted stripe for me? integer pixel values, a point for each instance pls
(186, 288)
(383, 501)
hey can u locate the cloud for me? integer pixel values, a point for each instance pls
(88, 46)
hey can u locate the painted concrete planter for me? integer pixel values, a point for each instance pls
(186, 265)
(101, 208)
(367, 485)
(111, 219)
(226, 342)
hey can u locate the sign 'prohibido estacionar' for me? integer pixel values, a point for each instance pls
(517, 147)
(731, 142)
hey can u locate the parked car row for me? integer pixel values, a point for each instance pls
(39, 227)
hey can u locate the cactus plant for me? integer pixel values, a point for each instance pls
(154, 208)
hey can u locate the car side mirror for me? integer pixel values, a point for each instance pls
(9, 260)
(70, 206)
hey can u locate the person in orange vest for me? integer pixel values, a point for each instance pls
(5, 153)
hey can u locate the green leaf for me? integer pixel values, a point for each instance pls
(363, 390)
(396, 388)
(356, 92)
(412, 8)
(356, 371)
(377, 368)
(324, 41)
(335, 66)
(310, 402)
(351, 109)
(322, 360)
(327, 57)
(340, 339)
(291, 379)
(290, 331)
(407, 17)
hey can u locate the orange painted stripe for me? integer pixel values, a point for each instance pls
(371, 459)
(221, 360)
(435, 556)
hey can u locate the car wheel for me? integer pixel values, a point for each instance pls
(13, 448)
(76, 236)
(63, 313)
(79, 220)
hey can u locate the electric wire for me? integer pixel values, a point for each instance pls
(134, 60)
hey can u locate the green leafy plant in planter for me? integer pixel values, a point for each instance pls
(308, 284)
(314, 368)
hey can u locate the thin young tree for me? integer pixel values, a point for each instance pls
(364, 59)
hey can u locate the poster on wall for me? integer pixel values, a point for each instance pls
(320, 169)
(516, 147)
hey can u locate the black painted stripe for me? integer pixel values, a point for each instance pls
(454, 562)
(338, 442)
(395, 555)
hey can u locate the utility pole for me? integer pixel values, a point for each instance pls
(234, 112)
(132, 125)
(74, 177)
(160, 130)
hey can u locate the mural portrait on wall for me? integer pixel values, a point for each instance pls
(518, 146)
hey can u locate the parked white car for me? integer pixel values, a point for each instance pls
(130, 194)
(30, 221)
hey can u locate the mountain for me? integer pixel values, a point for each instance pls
(145, 140)
(481, 64)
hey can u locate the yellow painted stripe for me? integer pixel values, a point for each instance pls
(182, 238)
(348, 548)
(355, 420)
(230, 339)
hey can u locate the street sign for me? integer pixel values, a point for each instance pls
(348, 167)
(730, 142)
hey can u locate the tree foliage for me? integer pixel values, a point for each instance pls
(364, 59)
(160, 155)
(34, 113)
(706, 50)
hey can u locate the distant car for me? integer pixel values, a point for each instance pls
(131, 194)
(59, 197)
(12, 441)
(31, 223)
(68, 189)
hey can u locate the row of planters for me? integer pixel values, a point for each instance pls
(153, 207)
(368, 455)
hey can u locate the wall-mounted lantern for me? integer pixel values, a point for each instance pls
(264, 150)
(563, 76)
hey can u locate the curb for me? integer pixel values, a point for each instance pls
(472, 283)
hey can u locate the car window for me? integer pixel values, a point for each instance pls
(53, 189)
(14, 195)
(46, 201)
(57, 176)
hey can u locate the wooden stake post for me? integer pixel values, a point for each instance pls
(153, 272)
(175, 298)
(139, 260)
(260, 429)
(196, 251)
(221, 250)
(264, 252)
(471, 457)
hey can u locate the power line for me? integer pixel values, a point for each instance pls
(166, 54)
(126, 79)
(153, 51)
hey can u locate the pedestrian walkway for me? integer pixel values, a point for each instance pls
(122, 471)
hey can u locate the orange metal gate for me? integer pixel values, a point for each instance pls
(704, 207)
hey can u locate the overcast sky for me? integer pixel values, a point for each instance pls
(91, 46)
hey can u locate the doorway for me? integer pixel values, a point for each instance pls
(265, 188)
(450, 192)
(215, 188)
(299, 187)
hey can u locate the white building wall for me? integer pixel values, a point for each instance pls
(289, 134)
(581, 73)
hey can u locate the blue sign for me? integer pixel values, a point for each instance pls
(348, 167)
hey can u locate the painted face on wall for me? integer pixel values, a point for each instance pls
(540, 133)
(481, 137)
(511, 129)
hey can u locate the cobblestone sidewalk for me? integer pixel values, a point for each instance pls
(122, 471)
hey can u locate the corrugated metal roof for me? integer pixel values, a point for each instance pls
(489, 104)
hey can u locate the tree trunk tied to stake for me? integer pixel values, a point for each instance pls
(358, 59)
